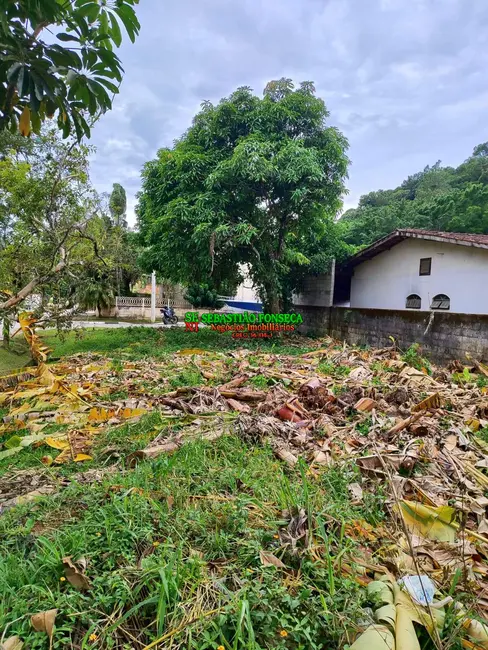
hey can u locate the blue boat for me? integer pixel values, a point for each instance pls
(245, 306)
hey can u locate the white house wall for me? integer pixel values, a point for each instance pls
(460, 272)
(246, 293)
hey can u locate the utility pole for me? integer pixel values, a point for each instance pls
(153, 297)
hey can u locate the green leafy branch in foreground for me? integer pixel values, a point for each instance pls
(74, 75)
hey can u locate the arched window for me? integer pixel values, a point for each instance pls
(413, 301)
(441, 301)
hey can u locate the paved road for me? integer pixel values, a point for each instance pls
(77, 324)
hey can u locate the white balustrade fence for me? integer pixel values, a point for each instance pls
(138, 306)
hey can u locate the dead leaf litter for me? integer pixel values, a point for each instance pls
(414, 433)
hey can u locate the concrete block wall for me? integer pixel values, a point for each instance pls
(318, 290)
(443, 337)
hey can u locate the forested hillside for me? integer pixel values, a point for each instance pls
(437, 198)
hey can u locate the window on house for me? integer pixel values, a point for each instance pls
(413, 301)
(441, 301)
(425, 265)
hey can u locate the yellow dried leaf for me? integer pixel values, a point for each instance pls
(386, 614)
(426, 521)
(380, 592)
(33, 392)
(100, 414)
(190, 351)
(24, 122)
(268, 559)
(81, 457)
(131, 413)
(375, 637)
(57, 443)
(431, 402)
(46, 377)
(63, 457)
(24, 408)
(479, 633)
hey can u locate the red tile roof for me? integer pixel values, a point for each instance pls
(395, 237)
(470, 238)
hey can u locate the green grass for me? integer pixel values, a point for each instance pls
(15, 357)
(137, 342)
(173, 546)
(183, 534)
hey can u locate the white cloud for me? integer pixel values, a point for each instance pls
(404, 81)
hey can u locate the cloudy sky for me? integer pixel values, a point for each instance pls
(405, 80)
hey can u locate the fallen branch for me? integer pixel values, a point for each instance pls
(169, 447)
(403, 424)
(244, 395)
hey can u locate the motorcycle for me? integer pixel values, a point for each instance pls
(168, 315)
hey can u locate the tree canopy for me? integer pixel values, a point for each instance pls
(118, 205)
(56, 236)
(72, 73)
(253, 180)
(437, 198)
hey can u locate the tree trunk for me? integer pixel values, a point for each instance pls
(6, 333)
(274, 304)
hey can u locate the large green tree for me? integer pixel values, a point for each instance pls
(72, 73)
(251, 181)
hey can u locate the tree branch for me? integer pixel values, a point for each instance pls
(29, 288)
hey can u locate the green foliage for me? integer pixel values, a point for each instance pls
(481, 381)
(118, 205)
(465, 377)
(96, 291)
(202, 295)
(124, 245)
(260, 382)
(437, 198)
(187, 377)
(329, 368)
(254, 181)
(73, 76)
(483, 434)
(53, 221)
(414, 359)
(47, 210)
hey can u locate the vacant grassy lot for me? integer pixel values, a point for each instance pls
(172, 547)
(137, 342)
(219, 545)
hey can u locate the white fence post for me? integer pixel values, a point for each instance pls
(153, 297)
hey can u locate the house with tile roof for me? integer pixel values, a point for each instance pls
(417, 270)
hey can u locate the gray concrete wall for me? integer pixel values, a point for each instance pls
(318, 290)
(448, 336)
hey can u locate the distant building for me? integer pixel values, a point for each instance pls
(417, 270)
(246, 296)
